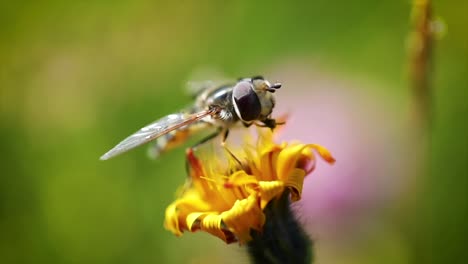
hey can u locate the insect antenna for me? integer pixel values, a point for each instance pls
(274, 87)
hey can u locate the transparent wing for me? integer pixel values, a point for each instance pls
(205, 78)
(154, 130)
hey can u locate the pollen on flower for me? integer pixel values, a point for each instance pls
(227, 201)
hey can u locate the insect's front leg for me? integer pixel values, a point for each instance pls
(270, 123)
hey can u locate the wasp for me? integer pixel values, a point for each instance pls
(249, 101)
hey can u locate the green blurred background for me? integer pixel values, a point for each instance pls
(77, 77)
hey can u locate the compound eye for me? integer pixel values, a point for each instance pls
(246, 102)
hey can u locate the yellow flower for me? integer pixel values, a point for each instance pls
(228, 201)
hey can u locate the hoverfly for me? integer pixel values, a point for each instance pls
(249, 101)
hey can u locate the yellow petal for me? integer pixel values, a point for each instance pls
(241, 178)
(213, 224)
(287, 160)
(265, 139)
(323, 152)
(194, 220)
(246, 214)
(171, 222)
(296, 181)
(176, 213)
(268, 159)
(240, 185)
(253, 161)
(269, 190)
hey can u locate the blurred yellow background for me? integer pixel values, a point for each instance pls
(77, 77)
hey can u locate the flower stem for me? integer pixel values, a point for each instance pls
(419, 51)
(283, 240)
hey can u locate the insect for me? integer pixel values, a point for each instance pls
(250, 101)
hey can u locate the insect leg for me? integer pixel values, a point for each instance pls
(205, 140)
(225, 135)
(223, 144)
(270, 123)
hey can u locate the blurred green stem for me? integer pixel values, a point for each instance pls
(419, 49)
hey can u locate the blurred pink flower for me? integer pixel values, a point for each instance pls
(361, 128)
